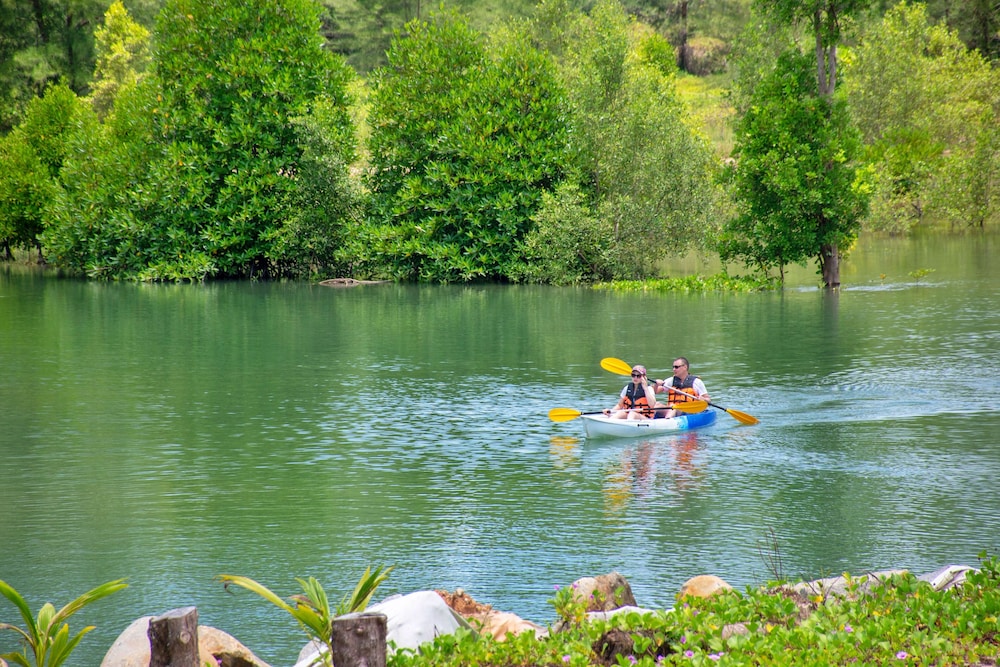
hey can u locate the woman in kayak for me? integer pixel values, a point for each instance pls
(692, 386)
(636, 398)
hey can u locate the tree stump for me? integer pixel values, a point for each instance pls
(173, 639)
(359, 640)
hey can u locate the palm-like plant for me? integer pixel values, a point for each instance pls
(312, 608)
(47, 635)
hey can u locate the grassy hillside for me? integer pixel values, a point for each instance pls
(707, 98)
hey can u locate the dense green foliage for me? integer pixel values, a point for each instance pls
(929, 111)
(466, 136)
(501, 160)
(202, 169)
(26, 187)
(900, 621)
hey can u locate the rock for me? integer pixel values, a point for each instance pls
(703, 586)
(604, 592)
(946, 577)
(612, 644)
(215, 647)
(308, 654)
(417, 618)
(485, 619)
(499, 624)
(837, 586)
(616, 647)
(228, 651)
(463, 603)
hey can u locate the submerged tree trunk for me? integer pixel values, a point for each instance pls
(829, 263)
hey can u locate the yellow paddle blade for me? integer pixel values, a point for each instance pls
(691, 406)
(616, 366)
(563, 414)
(743, 417)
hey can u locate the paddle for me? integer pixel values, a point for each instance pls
(566, 414)
(621, 368)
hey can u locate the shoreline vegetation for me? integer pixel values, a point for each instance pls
(949, 617)
(875, 619)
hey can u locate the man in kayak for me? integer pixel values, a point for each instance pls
(692, 386)
(636, 398)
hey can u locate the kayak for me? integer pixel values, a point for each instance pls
(599, 426)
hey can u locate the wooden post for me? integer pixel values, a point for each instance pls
(173, 639)
(359, 640)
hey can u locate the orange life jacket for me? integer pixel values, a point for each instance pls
(635, 398)
(687, 386)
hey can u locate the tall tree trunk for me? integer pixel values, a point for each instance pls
(683, 38)
(826, 55)
(39, 11)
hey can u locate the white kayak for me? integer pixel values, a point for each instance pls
(599, 426)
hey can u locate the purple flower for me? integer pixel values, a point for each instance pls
(556, 587)
(632, 659)
(684, 639)
(848, 628)
(902, 655)
(689, 653)
(566, 658)
(715, 656)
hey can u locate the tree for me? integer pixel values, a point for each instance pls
(122, 47)
(466, 136)
(825, 19)
(795, 179)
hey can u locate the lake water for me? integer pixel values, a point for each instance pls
(171, 433)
